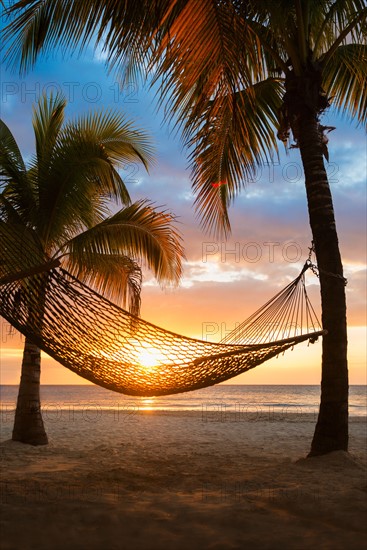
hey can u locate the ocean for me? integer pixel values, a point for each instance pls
(264, 400)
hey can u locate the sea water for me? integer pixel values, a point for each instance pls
(260, 399)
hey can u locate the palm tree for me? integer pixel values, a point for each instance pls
(57, 211)
(237, 76)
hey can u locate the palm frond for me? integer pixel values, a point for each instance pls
(83, 175)
(11, 159)
(8, 213)
(346, 25)
(119, 138)
(137, 231)
(48, 117)
(20, 248)
(39, 26)
(14, 181)
(328, 19)
(345, 80)
(206, 50)
(117, 277)
(236, 134)
(134, 32)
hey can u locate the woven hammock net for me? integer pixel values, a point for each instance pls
(108, 346)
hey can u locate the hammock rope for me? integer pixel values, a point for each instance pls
(108, 346)
(287, 314)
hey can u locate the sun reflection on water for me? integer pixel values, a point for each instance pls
(147, 404)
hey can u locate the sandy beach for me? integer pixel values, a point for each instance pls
(180, 480)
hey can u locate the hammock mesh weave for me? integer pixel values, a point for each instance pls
(112, 348)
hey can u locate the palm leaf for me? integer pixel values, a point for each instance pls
(235, 135)
(10, 155)
(48, 117)
(119, 138)
(328, 22)
(137, 231)
(345, 80)
(116, 277)
(83, 175)
(43, 26)
(36, 25)
(20, 248)
(14, 180)
(80, 185)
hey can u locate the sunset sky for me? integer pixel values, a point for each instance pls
(223, 282)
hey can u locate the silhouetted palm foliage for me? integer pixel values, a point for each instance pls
(62, 202)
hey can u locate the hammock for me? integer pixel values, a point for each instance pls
(108, 346)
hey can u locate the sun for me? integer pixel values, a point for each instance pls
(139, 353)
(149, 356)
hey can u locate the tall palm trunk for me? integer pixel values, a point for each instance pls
(28, 423)
(331, 431)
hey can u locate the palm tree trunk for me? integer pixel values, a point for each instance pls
(28, 423)
(331, 431)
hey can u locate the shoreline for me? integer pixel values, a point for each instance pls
(216, 414)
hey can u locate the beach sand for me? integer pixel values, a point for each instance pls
(181, 480)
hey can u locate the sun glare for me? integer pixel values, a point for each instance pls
(149, 356)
